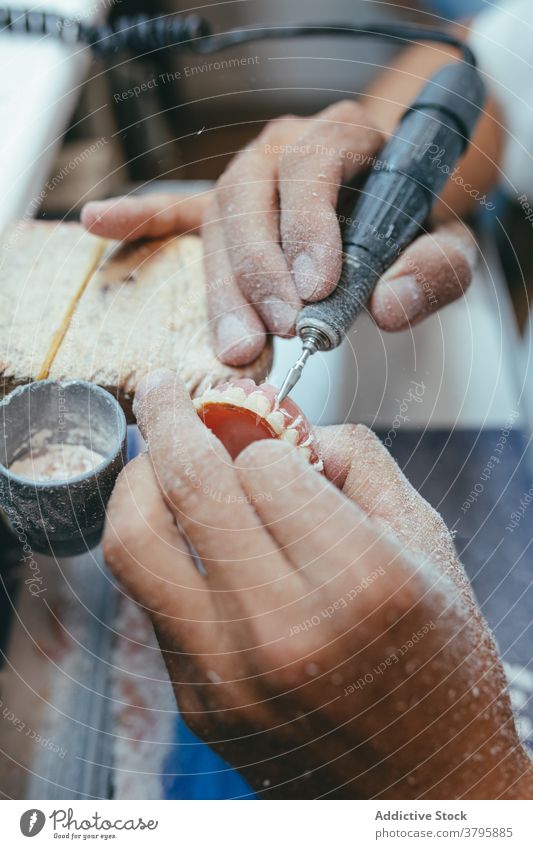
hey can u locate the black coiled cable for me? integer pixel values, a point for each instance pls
(39, 23)
(142, 34)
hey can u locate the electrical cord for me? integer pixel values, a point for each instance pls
(141, 34)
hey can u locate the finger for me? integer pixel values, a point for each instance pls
(336, 445)
(337, 144)
(321, 531)
(146, 552)
(237, 331)
(356, 460)
(200, 484)
(248, 203)
(432, 272)
(145, 216)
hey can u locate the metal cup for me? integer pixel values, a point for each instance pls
(60, 517)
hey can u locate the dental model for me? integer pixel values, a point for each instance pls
(240, 412)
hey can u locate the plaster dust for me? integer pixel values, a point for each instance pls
(56, 461)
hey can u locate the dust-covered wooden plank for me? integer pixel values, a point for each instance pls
(145, 308)
(43, 268)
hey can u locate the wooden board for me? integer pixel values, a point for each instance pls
(43, 268)
(77, 307)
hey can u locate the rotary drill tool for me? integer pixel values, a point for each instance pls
(396, 199)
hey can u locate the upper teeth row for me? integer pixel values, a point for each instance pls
(257, 402)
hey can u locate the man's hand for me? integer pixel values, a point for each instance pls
(330, 645)
(272, 232)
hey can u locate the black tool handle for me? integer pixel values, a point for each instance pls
(406, 180)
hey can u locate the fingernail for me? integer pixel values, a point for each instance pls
(150, 382)
(236, 343)
(96, 206)
(398, 302)
(305, 275)
(92, 212)
(280, 316)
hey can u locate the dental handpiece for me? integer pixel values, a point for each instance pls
(405, 181)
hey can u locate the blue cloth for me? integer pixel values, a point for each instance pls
(193, 771)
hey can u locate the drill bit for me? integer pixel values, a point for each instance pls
(310, 346)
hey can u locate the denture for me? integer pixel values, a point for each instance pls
(240, 412)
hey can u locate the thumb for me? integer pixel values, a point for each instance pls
(431, 273)
(359, 464)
